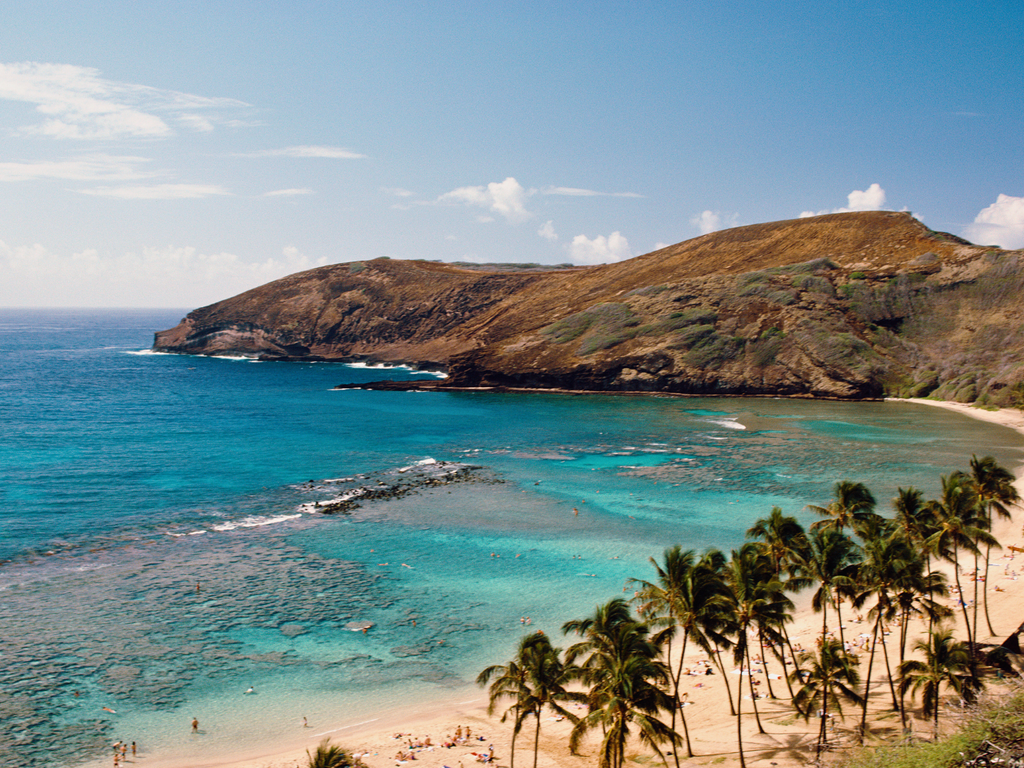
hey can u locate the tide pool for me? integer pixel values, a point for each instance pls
(163, 550)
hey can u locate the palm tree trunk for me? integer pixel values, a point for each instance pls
(888, 672)
(536, 739)
(679, 704)
(739, 708)
(750, 681)
(976, 574)
(728, 690)
(867, 678)
(676, 675)
(960, 591)
(792, 655)
(764, 662)
(821, 732)
(839, 618)
(984, 590)
(515, 732)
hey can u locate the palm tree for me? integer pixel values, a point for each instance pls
(994, 486)
(331, 756)
(510, 680)
(852, 504)
(785, 542)
(621, 669)
(685, 598)
(958, 526)
(832, 563)
(830, 677)
(757, 604)
(887, 554)
(547, 677)
(915, 589)
(947, 661)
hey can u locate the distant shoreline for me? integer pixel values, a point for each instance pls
(1006, 417)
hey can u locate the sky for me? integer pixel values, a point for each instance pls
(176, 154)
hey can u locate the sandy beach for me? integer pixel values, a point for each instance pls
(788, 741)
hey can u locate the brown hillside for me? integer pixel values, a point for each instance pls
(807, 307)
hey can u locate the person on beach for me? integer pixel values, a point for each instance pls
(195, 725)
(133, 749)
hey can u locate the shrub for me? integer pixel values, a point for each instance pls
(785, 297)
(605, 325)
(356, 267)
(814, 284)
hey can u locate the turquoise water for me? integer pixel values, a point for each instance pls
(128, 478)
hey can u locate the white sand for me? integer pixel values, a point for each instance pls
(788, 740)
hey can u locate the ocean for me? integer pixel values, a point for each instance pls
(190, 537)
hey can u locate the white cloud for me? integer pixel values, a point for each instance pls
(870, 199)
(712, 221)
(396, 191)
(505, 198)
(574, 192)
(158, 191)
(334, 153)
(600, 250)
(84, 168)
(79, 104)
(1002, 224)
(548, 231)
(159, 277)
(288, 192)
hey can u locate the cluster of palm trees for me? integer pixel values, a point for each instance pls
(628, 660)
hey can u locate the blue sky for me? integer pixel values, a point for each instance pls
(177, 154)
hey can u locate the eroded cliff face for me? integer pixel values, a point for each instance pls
(847, 306)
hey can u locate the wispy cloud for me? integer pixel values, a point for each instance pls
(1002, 223)
(97, 167)
(334, 153)
(870, 199)
(171, 276)
(575, 192)
(288, 192)
(158, 191)
(397, 191)
(600, 250)
(77, 103)
(506, 198)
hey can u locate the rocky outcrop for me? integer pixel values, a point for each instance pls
(855, 305)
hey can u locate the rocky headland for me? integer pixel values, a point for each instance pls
(854, 305)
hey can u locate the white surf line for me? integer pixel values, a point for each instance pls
(344, 727)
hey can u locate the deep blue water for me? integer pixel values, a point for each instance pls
(128, 478)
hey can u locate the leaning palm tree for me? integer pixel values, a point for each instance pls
(509, 681)
(757, 605)
(547, 677)
(832, 564)
(619, 665)
(686, 596)
(887, 554)
(830, 676)
(946, 661)
(994, 486)
(959, 526)
(329, 755)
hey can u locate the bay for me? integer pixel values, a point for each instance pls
(165, 547)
